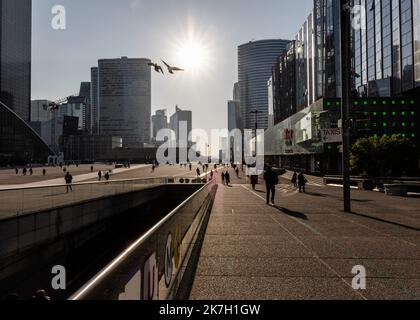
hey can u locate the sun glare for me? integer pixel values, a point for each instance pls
(193, 51)
(192, 56)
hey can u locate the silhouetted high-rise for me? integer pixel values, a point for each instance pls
(15, 55)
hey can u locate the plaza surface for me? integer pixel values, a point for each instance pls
(306, 247)
(38, 193)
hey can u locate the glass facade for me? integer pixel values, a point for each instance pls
(124, 91)
(416, 38)
(19, 144)
(284, 84)
(255, 63)
(406, 44)
(15, 55)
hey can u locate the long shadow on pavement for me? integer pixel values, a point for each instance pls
(294, 214)
(385, 221)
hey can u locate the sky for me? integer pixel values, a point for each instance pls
(200, 35)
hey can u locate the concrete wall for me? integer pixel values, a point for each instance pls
(33, 239)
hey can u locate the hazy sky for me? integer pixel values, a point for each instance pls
(158, 29)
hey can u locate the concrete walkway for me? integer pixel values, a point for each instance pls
(76, 178)
(306, 247)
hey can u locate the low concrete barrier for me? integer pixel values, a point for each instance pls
(359, 183)
(401, 189)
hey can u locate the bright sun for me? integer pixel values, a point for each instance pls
(192, 55)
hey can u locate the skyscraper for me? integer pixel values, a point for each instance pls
(233, 115)
(159, 122)
(19, 143)
(94, 97)
(124, 91)
(181, 116)
(84, 94)
(255, 62)
(15, 55)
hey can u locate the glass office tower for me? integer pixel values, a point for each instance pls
(255, 62)
(386, 54)
(15, 55)
(19, 144)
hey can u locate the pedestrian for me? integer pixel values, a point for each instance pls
(271, 180)
(24, 171)
(91, 169)
(17, 171)
(227, 178)
(254, 181)
(302, 181)
(190, 167)
(198, 172)
(69, 179)
(100, 175)
(295, 179)
(223, 178)
(41, 295)
(153, 168)
(211, 175)
(237, 172)
(31, 171)
(44, 172)
(107, 176)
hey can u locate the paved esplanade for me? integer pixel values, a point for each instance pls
(37, 193)
(306, 247)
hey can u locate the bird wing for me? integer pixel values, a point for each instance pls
(177, 69)
(167, 65)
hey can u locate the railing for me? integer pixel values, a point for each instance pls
(21, 201)
(156, 266)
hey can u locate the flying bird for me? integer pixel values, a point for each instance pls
(157, 67)
(172, 69)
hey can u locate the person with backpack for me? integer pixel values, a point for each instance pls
(271, 180)
(302, 181)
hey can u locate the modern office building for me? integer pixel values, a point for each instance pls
(124, 100)
(15, 56)
(94, 97)
(307, 88)
(56, 131)
(40, 111)
(386, 56)
(178, 117)
(84, 94)
(234, 117)
(88, 147)
(19, 143)
(159, 122)
(75, 107)
(255, 62)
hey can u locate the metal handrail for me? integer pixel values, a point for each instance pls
(117, 261)
(164, 178)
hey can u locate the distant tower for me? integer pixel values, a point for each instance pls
(255, 62)
(124, 91)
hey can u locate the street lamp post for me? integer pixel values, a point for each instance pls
(345, 97)
(256, 112)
